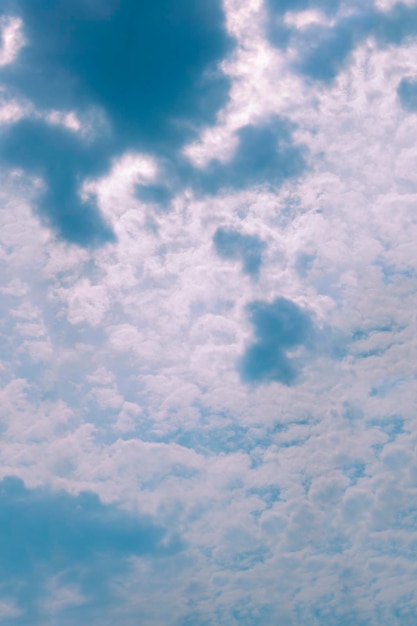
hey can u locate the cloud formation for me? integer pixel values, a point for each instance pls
(207, 330)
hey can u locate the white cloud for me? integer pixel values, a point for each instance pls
(12, 39)
(61, 597)
(303, 19)
(388, 5)
(283, 496)
(86, 302)
(9, 610)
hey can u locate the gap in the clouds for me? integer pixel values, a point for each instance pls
(386, 386)
(75, 540)
(234, 246)
(324, 46)
(354, 470)
(407, 93)
(279, 32)
(204, 437)
(159, 195)
(361, 338)
(269, 494)
(227, 439)
(352, 412)
(61, 160)
(153, 70)
(392, 274)
(280, 328)
(266, 156)
(392, 426)
(304, 263)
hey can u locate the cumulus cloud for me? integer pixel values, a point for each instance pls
(208, 313)
(12, 39)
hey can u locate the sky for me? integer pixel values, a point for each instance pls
(208, 296)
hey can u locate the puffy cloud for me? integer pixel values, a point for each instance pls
(237, 365)
(12, 39)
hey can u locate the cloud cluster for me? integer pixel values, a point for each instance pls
(208, 295)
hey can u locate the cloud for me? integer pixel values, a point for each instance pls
(120, 367)
(280, 326)
(265, 154)
(248, 249)
(11, 39)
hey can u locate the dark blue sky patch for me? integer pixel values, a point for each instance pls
(304, 263)
(62, 160)
(407, 94)
(324, 50)
(282, 6)
(155, 194)
(232, 245)
(143, 63)
(278, 32)
(152, 68)
(265, 154)
(324, 60)
(395, 26)
(279, 326)
(44, 534)
(263, 363)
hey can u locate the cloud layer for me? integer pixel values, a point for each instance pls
(208, 295)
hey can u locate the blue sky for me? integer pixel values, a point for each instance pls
(208, 294)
